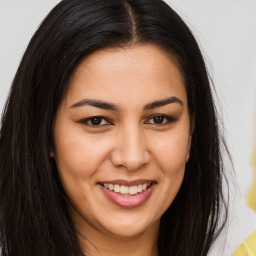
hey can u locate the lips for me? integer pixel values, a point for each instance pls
(127, 190)
(128, 194)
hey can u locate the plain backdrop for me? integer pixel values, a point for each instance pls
(226, 32)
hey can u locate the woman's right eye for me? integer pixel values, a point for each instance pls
(95, 121)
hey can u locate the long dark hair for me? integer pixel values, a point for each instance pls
(34, 219)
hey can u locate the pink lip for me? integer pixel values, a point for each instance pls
(128, 201)
(127, 182)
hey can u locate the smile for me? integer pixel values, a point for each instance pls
(127, 190)
(128, 194)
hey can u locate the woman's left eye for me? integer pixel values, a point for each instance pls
(161, 120)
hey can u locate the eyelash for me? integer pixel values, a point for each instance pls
(168, 119)
(88, 121)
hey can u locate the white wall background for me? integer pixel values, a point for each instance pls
(226, 31)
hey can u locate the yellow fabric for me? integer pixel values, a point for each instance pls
(251, 200)
(248, 247)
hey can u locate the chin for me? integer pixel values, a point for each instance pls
(129, 228)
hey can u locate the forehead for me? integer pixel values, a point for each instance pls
(142, 72)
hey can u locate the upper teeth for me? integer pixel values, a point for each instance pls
(131, 190)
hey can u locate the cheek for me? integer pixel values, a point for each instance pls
(171, 155)
(78, 159)
(171, 152)
(78, 155)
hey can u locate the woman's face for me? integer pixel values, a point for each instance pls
(122, 138)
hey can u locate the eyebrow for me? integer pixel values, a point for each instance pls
(163, 102)
(111, 106)
(95, 103)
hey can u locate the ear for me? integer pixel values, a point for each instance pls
(189, 146)
(51, 153)
(192, 128)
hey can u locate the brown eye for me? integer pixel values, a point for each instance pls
(158, 119)
(161, 119)
(95, 120)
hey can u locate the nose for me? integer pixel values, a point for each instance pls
(130, 149)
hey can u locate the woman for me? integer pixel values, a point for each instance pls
(109, 139)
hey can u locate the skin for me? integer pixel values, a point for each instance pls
(127, 145)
